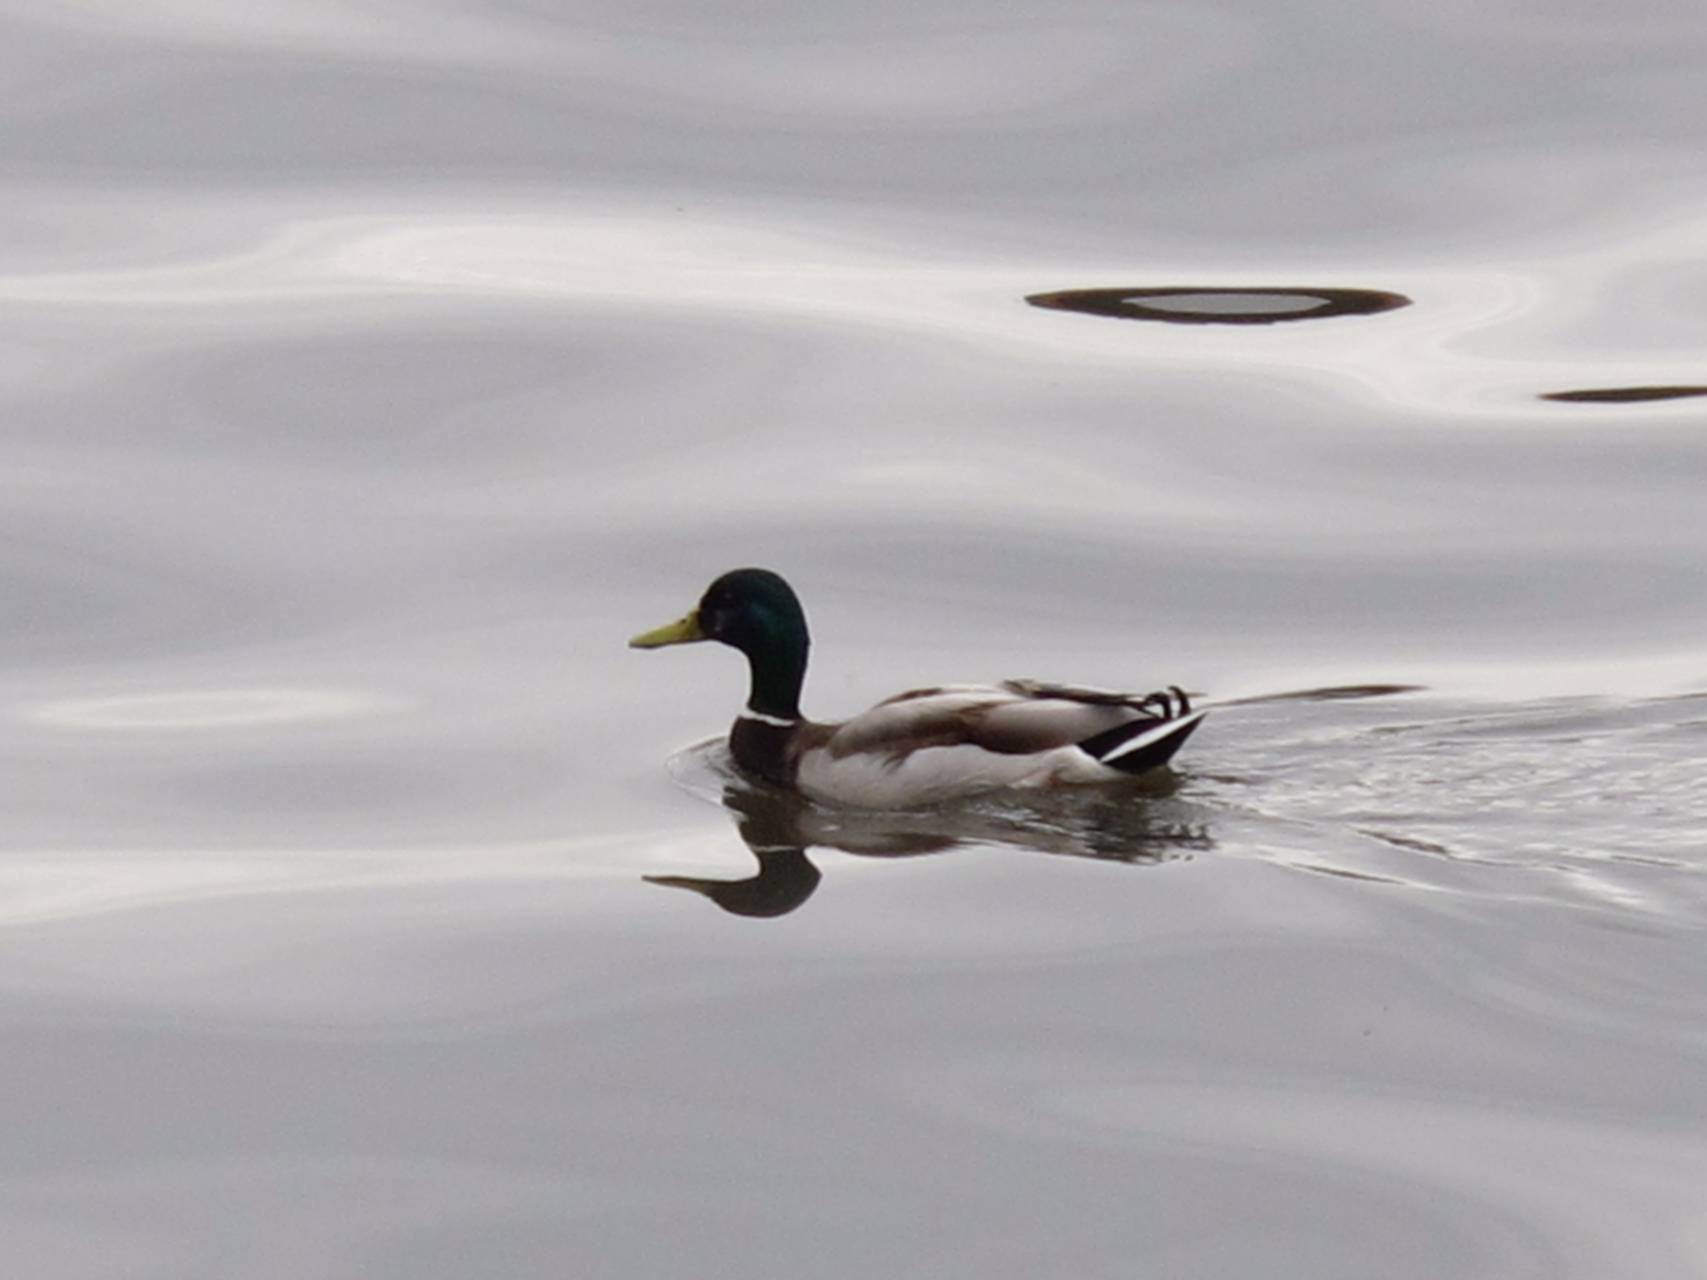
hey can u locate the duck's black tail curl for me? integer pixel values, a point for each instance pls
(1149, 742)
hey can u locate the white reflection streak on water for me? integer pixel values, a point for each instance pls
(211, 708)
(67, 884)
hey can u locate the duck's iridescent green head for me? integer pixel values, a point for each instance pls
(755, 611)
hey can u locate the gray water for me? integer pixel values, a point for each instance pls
(371, 372)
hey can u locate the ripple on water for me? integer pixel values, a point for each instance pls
(1476, 1181)
(1515, 803)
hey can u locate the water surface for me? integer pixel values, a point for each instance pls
(370, 374)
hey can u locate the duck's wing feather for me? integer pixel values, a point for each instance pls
(1017, 717)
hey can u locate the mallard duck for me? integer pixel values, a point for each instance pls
(924, 746)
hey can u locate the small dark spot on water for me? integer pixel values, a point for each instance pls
(1411, 843)
(1225, 779)
(1624, 395)
(1344, 873)
(1691, 696)
(1190, 304)
(1670, 864)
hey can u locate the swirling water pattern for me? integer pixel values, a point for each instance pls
(369, 372)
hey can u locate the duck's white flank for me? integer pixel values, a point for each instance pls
(934, 774)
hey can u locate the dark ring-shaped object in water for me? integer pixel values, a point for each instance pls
(1624, 395)
(1220, 304)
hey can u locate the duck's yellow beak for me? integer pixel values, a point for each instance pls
(681, 631)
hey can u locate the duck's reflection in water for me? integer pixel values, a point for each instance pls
(1128, 824)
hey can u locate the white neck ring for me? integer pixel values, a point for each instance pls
(747, 713)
